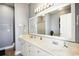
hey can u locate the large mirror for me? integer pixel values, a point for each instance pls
(56, 23)
(61, 22)
(51, 23)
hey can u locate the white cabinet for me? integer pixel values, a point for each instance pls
(33, 25)
(28, 49)
(25, 49)
(22, 47)
(31, 50)
(35, 51)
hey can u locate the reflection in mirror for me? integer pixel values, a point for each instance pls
(41, 25)
(51, 23)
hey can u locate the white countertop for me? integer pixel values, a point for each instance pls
(52, 49)
(52, 37)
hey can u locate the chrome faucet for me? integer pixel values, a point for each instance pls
(65, 45)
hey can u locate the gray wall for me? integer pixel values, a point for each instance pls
(6, 26)
(21, 21)
(76, 26)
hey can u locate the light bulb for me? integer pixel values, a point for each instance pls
(38, 9)
(47, 5)
(41, 8)
(51, 4)
(35, 11)
(60, 9)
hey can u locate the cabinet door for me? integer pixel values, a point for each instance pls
(35, 51)
(25, 48)
(22, 46)
(42, 53)
(31, 50)
(28, 49)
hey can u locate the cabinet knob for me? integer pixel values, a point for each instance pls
(65, 45)
(38, 51)
(55, 43)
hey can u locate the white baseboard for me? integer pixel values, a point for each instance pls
(17, 53)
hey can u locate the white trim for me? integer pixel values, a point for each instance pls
(17, 53)
(8, 47)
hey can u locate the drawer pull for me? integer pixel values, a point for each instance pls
(38, 51)
(55, 43)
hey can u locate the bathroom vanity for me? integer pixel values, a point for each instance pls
(62, 20)
(36, 45)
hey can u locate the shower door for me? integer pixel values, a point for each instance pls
(6, 26)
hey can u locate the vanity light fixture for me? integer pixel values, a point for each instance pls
(43, 7)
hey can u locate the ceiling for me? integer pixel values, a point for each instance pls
(8, 4)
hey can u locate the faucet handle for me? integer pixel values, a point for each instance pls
(65, 45)
(40, 38)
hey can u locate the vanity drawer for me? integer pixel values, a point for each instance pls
(40, 52)
(59, 43)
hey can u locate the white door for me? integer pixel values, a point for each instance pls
(65, 26)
